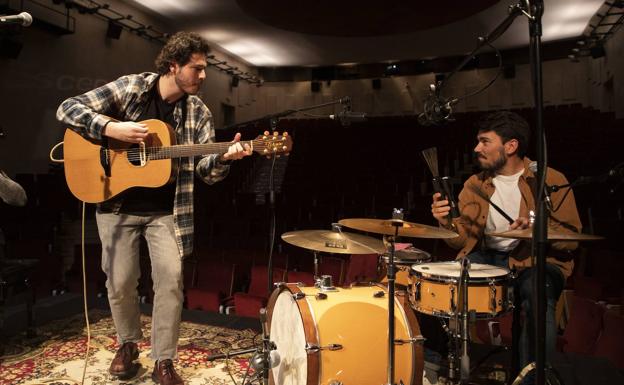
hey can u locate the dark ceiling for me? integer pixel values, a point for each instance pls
(352, 18)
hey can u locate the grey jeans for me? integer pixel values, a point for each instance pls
(120, 235)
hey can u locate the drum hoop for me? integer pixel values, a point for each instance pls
(401, 261)
(471, 280)
(477, 315)
(309, 328)
(413, 328)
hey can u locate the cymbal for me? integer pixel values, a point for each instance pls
(406, 229)
(553, 235)
(330, 241)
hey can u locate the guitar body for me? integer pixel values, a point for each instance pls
(86, 164)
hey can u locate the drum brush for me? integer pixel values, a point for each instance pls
(440, 184)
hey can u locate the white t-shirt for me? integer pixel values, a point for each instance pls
(506, 196)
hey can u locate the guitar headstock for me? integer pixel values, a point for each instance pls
(273, 144)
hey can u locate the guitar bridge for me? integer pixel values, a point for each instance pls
(105, 159)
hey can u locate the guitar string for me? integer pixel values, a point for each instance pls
(155, 153)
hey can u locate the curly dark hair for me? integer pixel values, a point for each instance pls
(508, 125)
(179, 49)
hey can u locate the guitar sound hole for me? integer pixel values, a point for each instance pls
(134, 155)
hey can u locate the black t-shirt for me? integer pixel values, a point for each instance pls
(144, 200)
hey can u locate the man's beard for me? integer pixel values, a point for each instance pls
(186, 86)
(496, 166)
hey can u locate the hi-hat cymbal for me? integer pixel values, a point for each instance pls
(406, 229)
(553, 235)
(329, 241)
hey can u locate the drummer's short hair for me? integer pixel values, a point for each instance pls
(508, 125)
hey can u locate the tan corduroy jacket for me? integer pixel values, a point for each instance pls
(474, 212)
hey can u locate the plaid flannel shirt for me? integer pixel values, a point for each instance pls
(124, 99)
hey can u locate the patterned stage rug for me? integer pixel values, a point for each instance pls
(56, 355)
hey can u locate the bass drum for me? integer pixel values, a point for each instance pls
(341, 337)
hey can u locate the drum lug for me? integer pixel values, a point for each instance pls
(298, 296)
(335, 382)
(492, 297)
(452, 304)
(312, 348)
(379, 294)
(419, 339)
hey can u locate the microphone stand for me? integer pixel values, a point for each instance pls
(534, 10)
(264, 352)
(273, 120)
(540, 227)
(514, 11)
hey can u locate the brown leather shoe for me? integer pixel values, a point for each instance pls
(165, 374)
(123, 365)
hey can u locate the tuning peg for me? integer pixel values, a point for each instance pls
(284, 148)
(285, 134)
(266, 133)
(275, 133)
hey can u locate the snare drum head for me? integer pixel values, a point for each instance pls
(452, 269)
(409, 256)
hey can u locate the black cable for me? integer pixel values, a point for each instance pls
(489, 84)
(272, 229)
(569, 188)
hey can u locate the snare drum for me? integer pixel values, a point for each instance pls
(403, 259)
(341, 337)
(433, 289)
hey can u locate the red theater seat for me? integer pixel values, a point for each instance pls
(214, 282)
(249, 304)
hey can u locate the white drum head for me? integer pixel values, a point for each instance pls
(289, 337)
(452, 269)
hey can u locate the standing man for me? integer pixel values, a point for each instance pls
(507, 182)
(163, 216)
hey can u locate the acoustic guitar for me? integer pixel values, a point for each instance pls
(97, 170)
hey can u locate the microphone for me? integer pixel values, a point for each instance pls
(346, 117)
(24, 19)
(11, 192)
(436, 109)
(533, 169)
(273, 358)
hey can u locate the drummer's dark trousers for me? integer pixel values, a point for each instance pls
(524, 321)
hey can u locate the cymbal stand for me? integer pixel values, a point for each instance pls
(459, 340)
(397, 220)
(462, 295)
(316, 266)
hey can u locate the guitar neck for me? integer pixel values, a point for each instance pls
(187, 150)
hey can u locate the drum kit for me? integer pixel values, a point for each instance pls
(368, 333)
